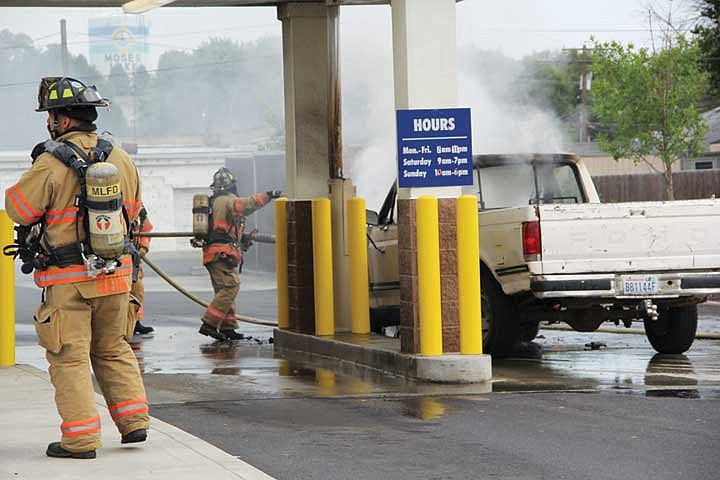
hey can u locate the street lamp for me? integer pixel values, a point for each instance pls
(142, 6)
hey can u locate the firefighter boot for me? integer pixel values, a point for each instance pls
(210, 331)
(141, 329)
(136, 436)
(56, 450)
(232, 334)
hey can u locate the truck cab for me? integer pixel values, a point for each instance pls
(551, 251)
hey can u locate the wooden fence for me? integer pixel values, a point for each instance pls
(688, 185)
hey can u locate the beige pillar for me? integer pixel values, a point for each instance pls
(306, 70)
(313, 146)
(425, 66)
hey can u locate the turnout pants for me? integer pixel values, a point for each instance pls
(226, 283)
(78, 331)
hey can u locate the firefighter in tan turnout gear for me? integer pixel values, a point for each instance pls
(222, 256)
(81, 192)
(137, 293)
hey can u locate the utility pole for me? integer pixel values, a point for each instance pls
(584, 115)
(585, 80)
(63, 46)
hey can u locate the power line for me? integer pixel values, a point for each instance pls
(98, 39)
(33, 40)
(197, 32)
(155, 70)
(564, 30)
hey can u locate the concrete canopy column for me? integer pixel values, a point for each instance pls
(306, 71)
(313, 145)
(425, 67)
(425, 64)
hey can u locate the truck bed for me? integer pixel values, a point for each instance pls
(629, 237)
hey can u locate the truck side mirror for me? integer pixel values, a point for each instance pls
(371, 217)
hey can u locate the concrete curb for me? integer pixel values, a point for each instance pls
(451, 368)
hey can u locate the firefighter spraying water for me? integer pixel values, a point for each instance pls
(222, 216)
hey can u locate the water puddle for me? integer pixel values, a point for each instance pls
(425, 408)
(626, 366)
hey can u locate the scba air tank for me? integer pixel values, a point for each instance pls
(201, 215)
(104, 205)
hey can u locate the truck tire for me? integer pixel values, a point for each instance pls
(528, 331)
(674, 330)
(500, 326)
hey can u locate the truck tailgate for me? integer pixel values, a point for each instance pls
(628, 237)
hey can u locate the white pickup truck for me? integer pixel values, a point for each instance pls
(550, 251)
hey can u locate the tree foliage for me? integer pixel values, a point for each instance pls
(553, 80)
(547, 81)
(229, 92)
(221, 90)
(708, 32)
(648, 102)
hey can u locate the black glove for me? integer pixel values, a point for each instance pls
(273, 194)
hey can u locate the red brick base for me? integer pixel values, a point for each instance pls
(300, 267)
(407, 238)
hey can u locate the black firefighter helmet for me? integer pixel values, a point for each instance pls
(223, 180)
(71, 97)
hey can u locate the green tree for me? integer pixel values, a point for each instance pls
(648, 103)
(708, 33)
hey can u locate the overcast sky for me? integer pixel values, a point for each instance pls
(513, 27)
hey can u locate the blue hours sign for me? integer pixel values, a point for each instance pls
(434, 147)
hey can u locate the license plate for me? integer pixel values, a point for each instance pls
(640, 285)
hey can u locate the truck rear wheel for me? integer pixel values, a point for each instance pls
(529, 331)
(500, 326)
(674, 330)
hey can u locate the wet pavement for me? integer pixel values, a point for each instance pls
(614, 411)
(569, 361)
(185, 366)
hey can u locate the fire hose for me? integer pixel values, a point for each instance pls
(258, 238)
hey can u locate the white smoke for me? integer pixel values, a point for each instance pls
(504, 119)
(368, 107)
(503, 123)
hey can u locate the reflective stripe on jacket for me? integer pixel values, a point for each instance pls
(78, 273)
(49, 188)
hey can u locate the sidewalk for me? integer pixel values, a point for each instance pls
(29, 422)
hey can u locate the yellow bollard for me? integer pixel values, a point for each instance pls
(468, 267)
(325, 380)
(357, 249)
(323, 267)
(281, 262)
(429, 409)
(428, 255)
(7, 295)
(284, 368)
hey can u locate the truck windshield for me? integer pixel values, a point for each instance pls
(515, 185)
